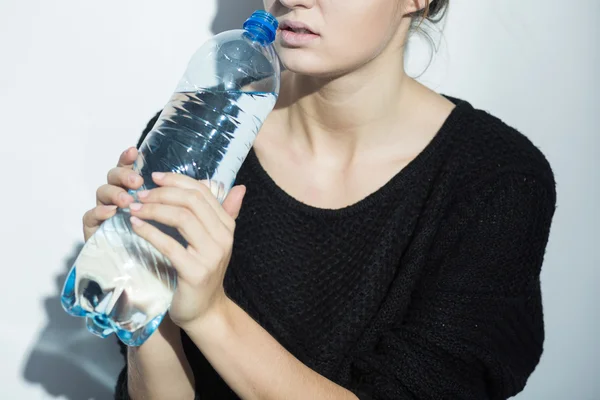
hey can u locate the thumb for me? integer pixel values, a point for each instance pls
(233, 201)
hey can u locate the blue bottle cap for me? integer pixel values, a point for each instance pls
(263, 24)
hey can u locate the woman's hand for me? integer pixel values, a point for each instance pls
(114, 193)
(189, 206)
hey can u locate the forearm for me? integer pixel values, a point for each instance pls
(253, 363)
(158, 369)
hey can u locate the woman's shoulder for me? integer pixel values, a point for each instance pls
(482, 145)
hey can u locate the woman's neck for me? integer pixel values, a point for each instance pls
(340, 117)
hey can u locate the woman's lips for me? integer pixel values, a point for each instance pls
(296, 39)
(295, 33)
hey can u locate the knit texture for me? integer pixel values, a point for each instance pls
(428, 288)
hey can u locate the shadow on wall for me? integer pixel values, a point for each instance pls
(231, 14)
(69, 361)
(66, 360)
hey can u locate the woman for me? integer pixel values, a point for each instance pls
(389, 245)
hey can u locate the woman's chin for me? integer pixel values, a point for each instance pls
(300, 65)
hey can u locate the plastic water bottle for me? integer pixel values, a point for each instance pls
(120, 283)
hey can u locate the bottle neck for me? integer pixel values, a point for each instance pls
(259, 34)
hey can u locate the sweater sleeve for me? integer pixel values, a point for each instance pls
(121, 388)
(475, 330)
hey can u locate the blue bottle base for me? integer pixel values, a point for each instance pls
(100, 324)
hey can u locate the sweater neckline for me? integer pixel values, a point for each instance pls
(417, 163)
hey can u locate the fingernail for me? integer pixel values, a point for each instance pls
(136, 221)
(110, 208)
(133, 178)
(158, 175)
(143, 194)
(135, 206)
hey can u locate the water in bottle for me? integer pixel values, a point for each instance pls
(120, 283)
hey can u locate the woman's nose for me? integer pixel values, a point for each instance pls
(291, 4)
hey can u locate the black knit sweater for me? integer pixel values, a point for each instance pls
(429, 288)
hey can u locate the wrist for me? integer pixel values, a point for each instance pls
(212, 321)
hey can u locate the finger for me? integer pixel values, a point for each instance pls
(233, 202)
(94, 217)
(127, 158)
(180, 218)
(124, 177)
(186, 182)
(165, 244)
(113, 195)
(196, 202)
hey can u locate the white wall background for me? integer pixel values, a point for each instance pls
(80, 79)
